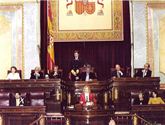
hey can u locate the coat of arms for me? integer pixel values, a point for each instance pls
(84, 7)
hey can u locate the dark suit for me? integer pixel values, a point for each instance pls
(84, 74)
(55, 76)
(140, 73)
(137, 101)
(33, 75)
(117, 75)
(75, 65)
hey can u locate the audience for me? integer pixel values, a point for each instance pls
(13, 75)
(55, 74)
(88, 75)
(146, 72)
(75, 66)
(155, 99)
(37, 74)
(117, 73)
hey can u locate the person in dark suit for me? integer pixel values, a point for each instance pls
(140, 100)
(146, 72)
(55, 74)
(117, 73)
(88, 75)
(37, 74)
(75, 66)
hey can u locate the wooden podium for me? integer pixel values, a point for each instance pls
(83, 116)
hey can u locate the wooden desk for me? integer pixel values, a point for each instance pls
(92, 117)
(152, 113)
(123, 88)
(74, 89)
(34, 91)
(28, 85)
(20, 115)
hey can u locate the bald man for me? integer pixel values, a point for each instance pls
(117, 73)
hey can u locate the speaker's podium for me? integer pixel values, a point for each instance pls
(78, 114)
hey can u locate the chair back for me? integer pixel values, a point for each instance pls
(126, 71)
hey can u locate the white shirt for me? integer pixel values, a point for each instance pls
(87, 77)
(144, 73)
(13, 76)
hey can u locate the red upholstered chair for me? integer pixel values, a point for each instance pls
(126, 71)
(4, 99)
(59, 70)
(136, 70)
(37, 98)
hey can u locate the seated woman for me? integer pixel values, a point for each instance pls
(155, 99)
(55, 74)
(36, 74)
(140, 100)
(87, 75)
(13, 75)
(87, 98)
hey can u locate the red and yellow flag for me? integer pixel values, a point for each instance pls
(50, 48)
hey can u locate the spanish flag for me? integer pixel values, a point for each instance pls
(50, 47)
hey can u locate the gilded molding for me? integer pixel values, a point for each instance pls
(115, 34)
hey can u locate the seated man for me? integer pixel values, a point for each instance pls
(155, 99)
(87, 75)
(140, 100)
(117, 73)
(55, 74)
(13, 75)
(87, 98)
(37, 74)
(146, 72)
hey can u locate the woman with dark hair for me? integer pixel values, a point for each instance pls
(13, 75)
(155, 99)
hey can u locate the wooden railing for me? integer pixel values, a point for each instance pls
(38, 121)
(142, 120)
(130, 119)
(49, 119)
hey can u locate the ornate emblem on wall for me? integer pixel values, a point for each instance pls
(85, 7)
(88, 20)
